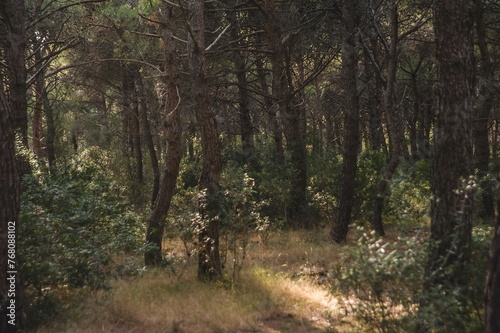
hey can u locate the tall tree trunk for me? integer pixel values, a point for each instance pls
(451, 206)
(209, 263)
(374, 103)
(135, 128)
(173, 130)
(50, 136)
(492, 291)
(37, 124)
(270, 106)
(488, 93)
(350, 58)
(11, 288)
(294, 116)
(394, 122)
(13, 13)
(148, 137)
(246, 126)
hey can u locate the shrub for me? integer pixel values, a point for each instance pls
(409, 202)
(382, 285)
(71, 226)
(380, 282)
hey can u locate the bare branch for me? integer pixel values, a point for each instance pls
(218, 37)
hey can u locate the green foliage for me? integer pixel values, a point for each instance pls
(459, 309)
(409, 201)
(370, 167)
(381, 281)
(325, 183)
(71, 226)
(382, 285)
(272, 184)
(241, 216)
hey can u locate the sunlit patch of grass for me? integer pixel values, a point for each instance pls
(159, 303)
(271, 286)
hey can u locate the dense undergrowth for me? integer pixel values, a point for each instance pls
(82, 245)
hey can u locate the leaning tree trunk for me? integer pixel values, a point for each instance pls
(11, 289)
(451, 206)
(492, 297)
(209, 263)
(350, 59)
(173, 130)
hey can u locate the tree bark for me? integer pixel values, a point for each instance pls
(173, 130)
(10, 290)
(246, 126)
(488, 96)
(394, 122)
(274, 123)
(209, 263)
(135, 128)
(13, 14)
(451, 206)
(350, 58)
(148, 137)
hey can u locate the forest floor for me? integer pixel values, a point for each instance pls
(282, 287)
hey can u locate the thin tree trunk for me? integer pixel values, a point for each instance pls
(246, 126)
(209, 263)
(173, 130)
(274, 124)
(294, 117)
(135, 128)
(350, 58)
(488, 93)
(394, 123)
(374, 104)
(50, 138)
(148, 137)
(37, 124)
(11, 288)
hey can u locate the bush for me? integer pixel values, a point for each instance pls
(409, 202)
(381, 281)
(71, 226)
(382, 286)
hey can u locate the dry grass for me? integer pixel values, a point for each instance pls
(268, 289)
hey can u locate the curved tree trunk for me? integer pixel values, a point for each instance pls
(173, 130)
